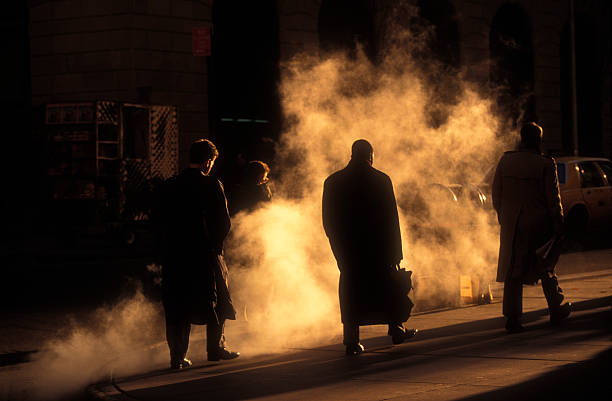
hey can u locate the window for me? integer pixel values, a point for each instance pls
(561, 174)
(606, 167)
(590, 176)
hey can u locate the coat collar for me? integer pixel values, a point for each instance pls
(356, 164)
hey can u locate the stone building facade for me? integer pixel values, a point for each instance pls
(141, 51)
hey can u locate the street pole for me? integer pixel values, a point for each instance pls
(574, 94)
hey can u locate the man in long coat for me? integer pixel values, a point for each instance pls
(193, 221)
(526, 197)
(361, 221)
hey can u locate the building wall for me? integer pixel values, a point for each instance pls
(130, 51)
(298, 27)
(299, 33)
(546, 17)
(140, 50)
(547, 25)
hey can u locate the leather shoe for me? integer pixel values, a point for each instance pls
(223, 354)
(513, 326)
(402, 335)
(560, 313)
(185, 363)
(354, 349)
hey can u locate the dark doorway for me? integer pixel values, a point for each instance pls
(346, 24)
(511, 73)
(588, 88)
(20, 156)
(243, 78)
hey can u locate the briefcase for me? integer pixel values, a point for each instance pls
(404, 280)
(402, 304)
(549, 253)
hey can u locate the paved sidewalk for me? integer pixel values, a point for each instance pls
(459, 354)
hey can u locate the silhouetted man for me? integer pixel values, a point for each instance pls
(360, 218)
(193, 222)
(526, 197)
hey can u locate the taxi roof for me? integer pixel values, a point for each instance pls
(574, 159)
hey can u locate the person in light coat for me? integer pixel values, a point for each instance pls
(526, 197)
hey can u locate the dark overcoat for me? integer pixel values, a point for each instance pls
(526, 197)
(193, 221)
(361, 221)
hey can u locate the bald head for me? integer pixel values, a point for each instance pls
(531, 136)
(362, 151)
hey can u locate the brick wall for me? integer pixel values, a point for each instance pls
(125, 50)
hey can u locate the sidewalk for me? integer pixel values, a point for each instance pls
(458, 354)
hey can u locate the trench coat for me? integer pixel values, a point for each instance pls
(361, 221)
(526, 197)
(192, 221)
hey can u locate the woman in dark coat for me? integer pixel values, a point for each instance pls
(253, 190)
(526, 197)
(361, 221)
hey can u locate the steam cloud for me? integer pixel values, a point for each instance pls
(115, 340)
(283, 269)
(283, 275)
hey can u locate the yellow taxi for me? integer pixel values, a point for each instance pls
(586, 192)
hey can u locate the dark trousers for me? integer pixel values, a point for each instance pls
(351, 332)
(177, 336)
(513, 294)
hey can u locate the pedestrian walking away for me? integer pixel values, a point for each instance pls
(192, 221)
(361, 221)
(526, 197)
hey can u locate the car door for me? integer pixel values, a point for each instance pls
(568, 175)
(595, 192)
(606, 169)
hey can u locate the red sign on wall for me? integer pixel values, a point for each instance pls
(200, 41)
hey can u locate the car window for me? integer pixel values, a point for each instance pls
(561, 173)
(607, 169)
(590, 176)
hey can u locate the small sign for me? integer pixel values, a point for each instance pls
(200, 41)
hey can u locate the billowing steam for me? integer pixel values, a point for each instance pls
(115, 340)
(283, 269)
(283, 276)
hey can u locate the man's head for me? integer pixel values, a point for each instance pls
(202, 154)
(362, 151)
(531, 136)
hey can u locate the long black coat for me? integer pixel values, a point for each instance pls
(361, 221)
(526, 197)
(193, 221)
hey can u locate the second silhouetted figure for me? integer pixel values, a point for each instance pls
(361, 221)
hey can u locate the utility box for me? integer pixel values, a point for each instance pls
(104, 156)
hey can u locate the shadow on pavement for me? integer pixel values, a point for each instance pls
(326, 366)
(588, 380)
